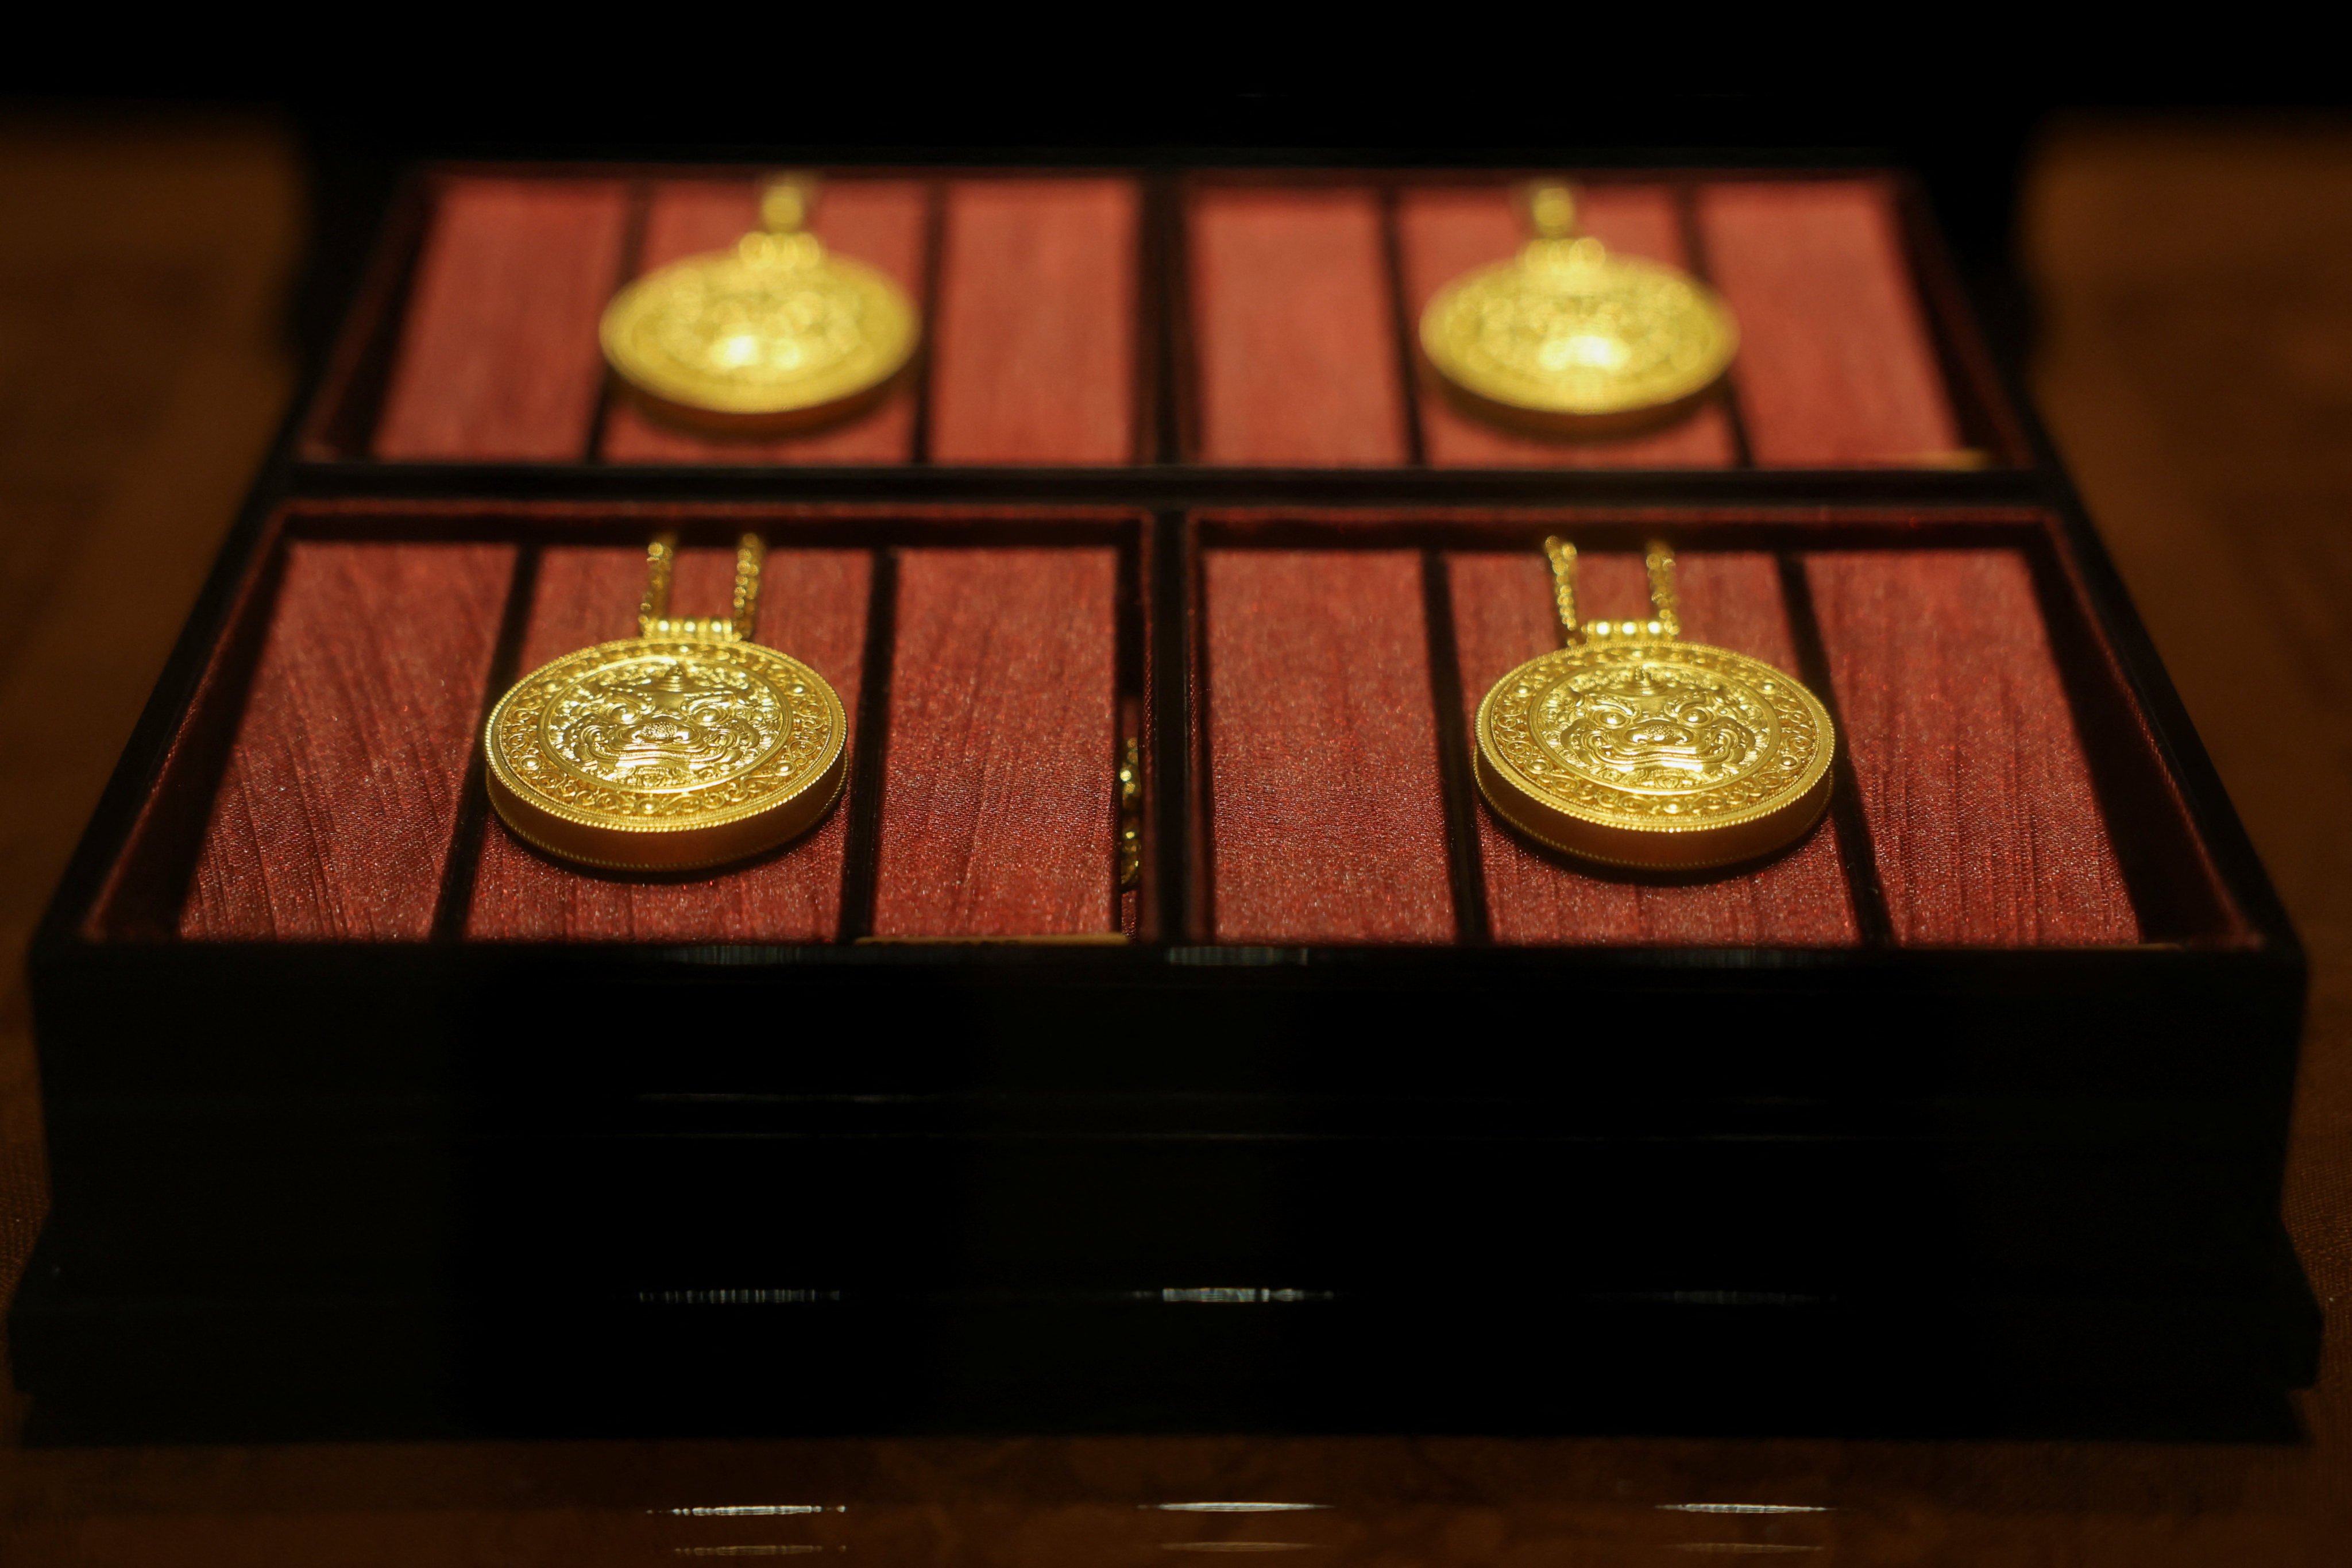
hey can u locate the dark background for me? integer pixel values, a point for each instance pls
(2169, 259)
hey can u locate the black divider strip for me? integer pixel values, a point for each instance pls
(1460, 791)
(1179, 425)
(1416, 446)
(1726, 391)
(1153, 440)
(1167, 762)
(633, 256)
(350, 393)
(1864, 886)
(464, 860)
(1130, 696)
(935, 232)
(2172, 897)
(1198, 799)
(868, 764)
(164, 852)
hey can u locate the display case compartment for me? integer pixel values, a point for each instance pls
(325, 783)
(473, 338)
(420, 1092)
(1329, 1004)
(1302, 296)
(1983, 1084)
(1117, 320)
(1997, 785)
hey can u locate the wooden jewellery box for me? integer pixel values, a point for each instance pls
(1276, 1084)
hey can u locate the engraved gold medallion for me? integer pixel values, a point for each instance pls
(774, 334)
(1566, 338)
(1633, 747)
(686, 745)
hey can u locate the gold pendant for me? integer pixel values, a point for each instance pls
(1567, 337)
(1631, 747)
(772, 335)
(684, 746)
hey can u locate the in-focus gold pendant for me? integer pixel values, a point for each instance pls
(1568, 338)
(686, 745)
(1631, 747)
(772, 335)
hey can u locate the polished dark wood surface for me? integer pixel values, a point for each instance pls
(2195, 307)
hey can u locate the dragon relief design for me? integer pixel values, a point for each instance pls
(683, 730)
(1567, 328)
(661, 723)
(1618, 334)
(757, 323)
(1653, 726)
(1662, 730)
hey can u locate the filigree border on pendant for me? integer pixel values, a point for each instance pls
(793, 764)
(1778, 776)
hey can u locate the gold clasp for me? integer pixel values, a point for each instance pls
(653, 619)
(1666, 622)
(787, 203)
(788, 200)
(1130, 813)
(1555, 240)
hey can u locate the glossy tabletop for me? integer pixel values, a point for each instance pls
(2196, 368)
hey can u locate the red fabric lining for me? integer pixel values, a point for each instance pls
(1981, 813)
(1444, 232)
(1835, 367)
(878, 222)
(1329, 818)
(1294, 338)
(997, 815)
(334, 816)
(498, 356)
(1034, 360)
(813, 606)
(1503, 617)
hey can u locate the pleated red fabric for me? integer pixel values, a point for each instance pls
(1981, 812)
(334, 816)
(1327, 816)
(813, 606)
(497, 355)
(1443, 233)
(1294, 339)
(998, 812)
(878, 222)
(1034, 354)
(1835, 367)
(1503, 615)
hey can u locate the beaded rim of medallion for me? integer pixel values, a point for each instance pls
(672, 841)
(1646, 842)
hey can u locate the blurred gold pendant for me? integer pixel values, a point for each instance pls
(1631, 747)
(1568, 338)
(772, 335)
(686, 745)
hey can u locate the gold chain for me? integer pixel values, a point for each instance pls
(1562, 556)
(1666, 603)
(661, 564)
(654, 618)
(787, 201)
(750, 554)
(1666, 622)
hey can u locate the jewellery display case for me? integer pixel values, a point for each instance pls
(1161, 1030)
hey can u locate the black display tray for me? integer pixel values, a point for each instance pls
(475, 1168)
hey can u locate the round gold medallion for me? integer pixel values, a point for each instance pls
(684, 747)
(1633, 747)
(770, 335)
(1568, 338)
